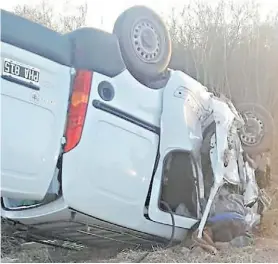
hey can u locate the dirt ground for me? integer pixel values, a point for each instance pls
(264, 249)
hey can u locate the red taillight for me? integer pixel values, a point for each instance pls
(78, 108)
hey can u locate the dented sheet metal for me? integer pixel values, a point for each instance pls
(229, 169)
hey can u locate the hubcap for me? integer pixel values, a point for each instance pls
(146, 41)
(252, 132)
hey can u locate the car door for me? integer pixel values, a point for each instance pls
(180, 131)
(35, 84)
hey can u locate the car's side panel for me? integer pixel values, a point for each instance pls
(112, 165)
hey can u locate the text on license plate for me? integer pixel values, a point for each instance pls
(21, 71)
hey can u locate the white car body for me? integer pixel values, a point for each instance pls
(111, 181)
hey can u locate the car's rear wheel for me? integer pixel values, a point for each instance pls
(144, 41)
(258, 133)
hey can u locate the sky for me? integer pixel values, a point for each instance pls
(103, 13)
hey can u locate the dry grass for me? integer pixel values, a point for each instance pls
(263, 251)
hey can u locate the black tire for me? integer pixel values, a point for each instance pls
(261, 138)
(144, 42)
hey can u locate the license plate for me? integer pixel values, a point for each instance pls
(22, 72)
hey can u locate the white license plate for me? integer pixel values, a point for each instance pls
(21, 72)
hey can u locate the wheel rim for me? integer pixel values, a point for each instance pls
(252, 132)
(146, 41)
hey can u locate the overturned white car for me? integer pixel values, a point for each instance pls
(103, 144)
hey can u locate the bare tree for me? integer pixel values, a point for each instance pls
(44, 13)
(229, 48)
